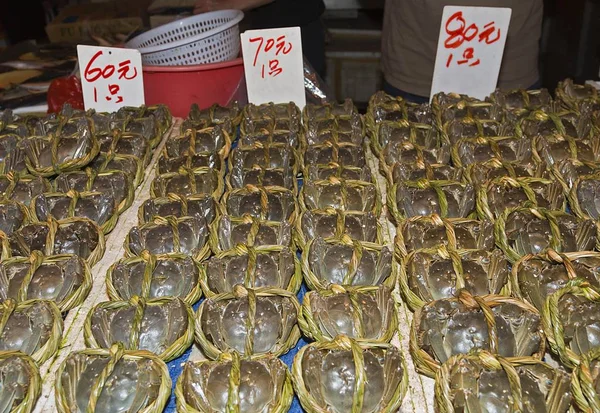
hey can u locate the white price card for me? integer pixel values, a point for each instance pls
(110, 77)
(470, 49)
(274, 66)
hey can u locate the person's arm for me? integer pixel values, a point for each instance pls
(203, 6)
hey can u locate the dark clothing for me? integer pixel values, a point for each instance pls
(285, 13)
(411, 31)
(290, 13)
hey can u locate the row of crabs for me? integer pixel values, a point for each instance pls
(67, 179)
(331, 150)
(480, 327)
(379, 379)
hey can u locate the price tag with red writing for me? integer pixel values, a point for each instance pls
(110, 77)
(470, 49)
(273, 65)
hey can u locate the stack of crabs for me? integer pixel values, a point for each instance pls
(66, 179)
(496, 205)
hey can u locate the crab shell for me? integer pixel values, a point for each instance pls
(364, 313)
(495, 196)
(13, 216)
(535, 277)
(20, 382)
(51, 155)
(326, 110)
(33, 327)
(23, 188)
(202, 206)
(133, 144)
(214, 115)
(435, 274)
(432, 231)
(251, 322)
(340, 194)
(227, 232)
(12, 153)
(346, 262)
(585, 197)
(186, 235)
(268, 137)
(502, 325)
(347, 154)
(492, 383)
(332, 223)
(191, 141)
(275, 203)
(571, 321)
(252, 267)
(413, 172)
(117, 183)
(479, 150)
(79, 236)
(188, 182)
(519, 100)
(480, 173)
(210, 160)
(521, 231)
(408, 152)
(335, 170)
(64, 279)
(163, 326)
(260, 176)
(343, 375)
(404, 131)
(95, 206)
(95, 380)
(108, 163)
(448, 199)
(260, 385)
(266, 156)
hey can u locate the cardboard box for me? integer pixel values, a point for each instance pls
(76, 24)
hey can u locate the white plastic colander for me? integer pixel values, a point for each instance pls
(205, 38)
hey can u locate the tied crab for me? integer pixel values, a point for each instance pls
(235, 384)
(521, 231)
(502, 325)
(346, 262)
(251, 322)
(482, 381)
(439, 273)
(155, 276)
(364, 313)
(448, 199)
(94, 379)
(344, 375)
(571, 321)
(163, 326)
(433, 231)
(269, 266)
(20, 382)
